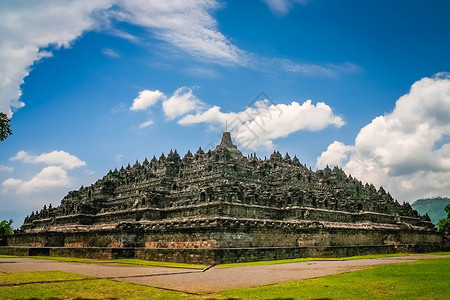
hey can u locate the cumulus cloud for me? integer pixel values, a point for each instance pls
(27, 28)
(336, 154)
(58, 158)
(405, 150)
(48, 177)
(181, 102)
(146, 124)
(54, 175)
(145, 99)
(257, 127)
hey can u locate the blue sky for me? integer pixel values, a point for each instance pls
(94, 85)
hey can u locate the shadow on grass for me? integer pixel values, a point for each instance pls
(282, 299)
(56, 298)
(277, 299)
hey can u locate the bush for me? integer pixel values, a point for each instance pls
(6, 228)
(444, 224)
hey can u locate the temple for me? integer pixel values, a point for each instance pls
(220, 206)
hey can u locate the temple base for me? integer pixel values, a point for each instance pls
(218, 255)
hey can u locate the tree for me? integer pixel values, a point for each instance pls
(444, 224)
(6, 228)
(5, 131)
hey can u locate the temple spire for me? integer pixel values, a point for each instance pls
(226, 140)
(227, 143)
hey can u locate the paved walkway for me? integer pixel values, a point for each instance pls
(197, 281)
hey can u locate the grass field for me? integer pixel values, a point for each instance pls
(137, 262)
(286, 261)
(73, 286)
(426, 279)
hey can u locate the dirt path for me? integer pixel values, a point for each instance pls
(213, 280)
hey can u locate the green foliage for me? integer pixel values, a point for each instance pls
(6, 228)
(5, 130)
(444, 224)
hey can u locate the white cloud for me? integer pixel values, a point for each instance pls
(27, 27)
(118, 108)
(119, 157)
(30, 30)
(259, 126)
(6, 168)
(277, 65)
(187, 24)
(146, 124)
(282, 7)
(202, 72)
(327, 70)
(90, 172)
(335, 155)
(59, 158)
(254, 127)
(49, 177)
(146, 98)
(180, 103)
(124, 35)
(52, 176)
(403, 150)
(110, 52)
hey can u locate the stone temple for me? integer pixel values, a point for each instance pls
(220, 207)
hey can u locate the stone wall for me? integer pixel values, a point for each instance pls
(204, 233)
(228, 209)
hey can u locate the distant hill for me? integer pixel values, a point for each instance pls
(433, 206)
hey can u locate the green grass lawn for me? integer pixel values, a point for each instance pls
(426, 279)
(285, 261)
(439, 253)
(137, 262)
(76, 287)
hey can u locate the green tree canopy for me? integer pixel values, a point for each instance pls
(5, 131)
(6, 228)
(444, 224)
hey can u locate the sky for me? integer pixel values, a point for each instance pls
(91, 85)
